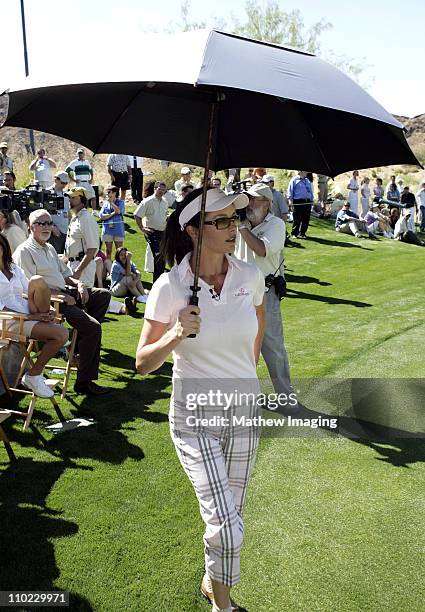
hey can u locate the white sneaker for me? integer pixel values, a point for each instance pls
(37, 385)
(142, 299)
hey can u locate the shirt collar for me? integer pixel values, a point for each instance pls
(184, 268)
(33, 242)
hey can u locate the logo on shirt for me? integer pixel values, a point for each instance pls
(241, 291)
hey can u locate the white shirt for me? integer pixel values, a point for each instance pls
(421, 197)
(400, 227)
(272, 233)
(83, 234)
(153, 212)
(11, 291)
(224, 348)
(139, 161)
(43, 171)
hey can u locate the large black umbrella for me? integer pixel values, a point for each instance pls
(275, 107)
(215, 100)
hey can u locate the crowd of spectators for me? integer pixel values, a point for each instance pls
(66, 250)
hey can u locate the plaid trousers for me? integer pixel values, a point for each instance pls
(218, 461)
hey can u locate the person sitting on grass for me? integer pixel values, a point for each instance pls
(126, 278)
(402, 231)
(39, 324)
(348, 222)
(103, 267)
(375, 222)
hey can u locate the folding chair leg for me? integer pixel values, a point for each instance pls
(57, 410)
(68, 365)
(30, 412)
(26, 359)
(5, 382)
(7, 445)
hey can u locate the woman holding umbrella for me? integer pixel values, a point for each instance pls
(217, 457)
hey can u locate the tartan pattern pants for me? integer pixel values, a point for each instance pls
(218, 462)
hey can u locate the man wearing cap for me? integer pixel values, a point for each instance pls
(37, 257)
(151, 218)
(119, 170)
(42, 168)
(348, 222)
(184, 180)
(300, 197)
(61, 217)
(6, 162)
(260, 240)
(280, 206)
(82, 239)
(80, 171)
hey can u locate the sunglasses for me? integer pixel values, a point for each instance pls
(222, 223)
(44, 223)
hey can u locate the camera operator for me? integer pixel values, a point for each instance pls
(261, 240)
(61, 217)
(42, 168)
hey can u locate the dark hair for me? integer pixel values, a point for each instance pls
(11, 173)
(118, 253)
(149, 189)
(187, 188)
(7, 253)
(113, 189)
(379, 179)
(176, 243)
(8, 215)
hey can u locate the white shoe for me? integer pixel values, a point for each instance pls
(37, 385)
(142, 299)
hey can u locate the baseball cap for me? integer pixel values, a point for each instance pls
(260, 190)
(185, 170)
(77, 191)
(267, 178)
(80, 150)
(216, 200)
(346, 203)
(3, 145)
(62, 176)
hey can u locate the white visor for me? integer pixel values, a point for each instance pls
(216, 200)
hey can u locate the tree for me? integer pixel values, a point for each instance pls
(269, 23)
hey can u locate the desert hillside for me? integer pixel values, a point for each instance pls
(63, 151)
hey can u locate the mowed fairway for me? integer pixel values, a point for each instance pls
(332, 523)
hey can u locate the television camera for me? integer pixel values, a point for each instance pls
(31, 198)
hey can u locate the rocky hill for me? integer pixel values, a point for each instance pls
(415, 128)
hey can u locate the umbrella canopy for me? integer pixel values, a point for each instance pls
(274, 106)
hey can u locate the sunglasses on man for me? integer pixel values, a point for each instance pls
(222, 223)
(43, 223)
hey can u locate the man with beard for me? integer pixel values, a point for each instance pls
(261, 240)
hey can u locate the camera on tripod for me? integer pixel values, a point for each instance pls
(24, 201)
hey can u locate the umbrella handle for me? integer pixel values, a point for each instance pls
(193, 301)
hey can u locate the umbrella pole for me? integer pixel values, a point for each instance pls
(194, 299)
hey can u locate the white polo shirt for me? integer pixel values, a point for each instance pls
(272, 233)
(224, 348)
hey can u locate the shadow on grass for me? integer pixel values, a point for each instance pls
(338, 243)
(29, 526)
(294, 294)
(293, 278)
(397, 447)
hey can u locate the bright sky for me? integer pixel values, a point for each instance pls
(389, 36)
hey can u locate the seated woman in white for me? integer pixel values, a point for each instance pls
(40, 326)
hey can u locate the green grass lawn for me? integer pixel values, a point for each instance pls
(332, 523)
